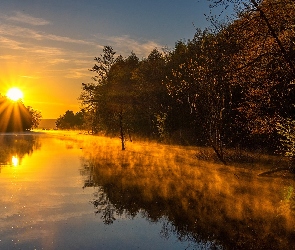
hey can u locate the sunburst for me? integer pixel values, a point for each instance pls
(15, 94)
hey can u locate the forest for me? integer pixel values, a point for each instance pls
(227, 87)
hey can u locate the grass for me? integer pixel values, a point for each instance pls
(256, 162)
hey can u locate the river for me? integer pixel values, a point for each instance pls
(65, 190)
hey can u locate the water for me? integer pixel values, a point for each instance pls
(67, 191)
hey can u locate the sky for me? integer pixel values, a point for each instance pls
(48, 47)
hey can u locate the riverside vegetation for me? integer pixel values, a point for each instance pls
(231, 206)
(228, 87)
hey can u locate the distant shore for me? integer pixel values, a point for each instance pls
(47, 124)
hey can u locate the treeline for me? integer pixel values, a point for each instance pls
(231, 87)
(70, 120)
(16, 117)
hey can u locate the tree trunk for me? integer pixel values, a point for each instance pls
(122, 136)
(218, 152)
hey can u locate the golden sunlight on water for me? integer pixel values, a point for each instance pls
(77, 191)
(36, 194)
(15, 160)
(229, 205)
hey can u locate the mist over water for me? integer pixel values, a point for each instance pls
(64, 190)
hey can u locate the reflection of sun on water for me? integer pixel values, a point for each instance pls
(15, 161)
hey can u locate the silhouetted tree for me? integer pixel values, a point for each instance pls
(70, 120)
(202, 79)
(14, 116)
(153, 101)
(35, 116)
(93, 98)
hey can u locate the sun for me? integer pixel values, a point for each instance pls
(15, 94)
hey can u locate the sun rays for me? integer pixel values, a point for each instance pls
(14, 116)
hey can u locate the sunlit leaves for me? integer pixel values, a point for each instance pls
(231, 85)
(286, 129)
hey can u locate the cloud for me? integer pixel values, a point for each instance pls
(7, 57)
(77, 73)
(125, 44)
(9, 43)
(30, 77)
(122, 44)
(52, 55)
(33, 43)
(66, 39)
(24, 18)
(11, 30)
(47, 51)
(36, 46)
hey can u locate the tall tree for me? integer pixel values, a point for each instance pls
(264, 64)
(92, 97)
(153, 102)
(202, 79)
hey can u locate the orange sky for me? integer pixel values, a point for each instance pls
(47, 47)
(50, 90)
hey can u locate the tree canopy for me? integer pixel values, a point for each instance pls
(233, 86)
(16, 117)
(70, 120)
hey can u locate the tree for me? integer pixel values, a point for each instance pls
(14, 116)
(109, 98)
(93, 98)
(90, 107)
(103, 64)
(152, 100)
(231, 85)
(35, 116)
(70, 120)
(286, 130)
(264, 66)
(202, 79)
(266, 60)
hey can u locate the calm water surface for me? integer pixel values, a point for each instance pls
(69, 191)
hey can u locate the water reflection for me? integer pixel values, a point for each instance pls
(148, 197)
(210, 205)
(13, 147)
(40, 192)
(15, 160)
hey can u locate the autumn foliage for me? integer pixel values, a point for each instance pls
(226, 87)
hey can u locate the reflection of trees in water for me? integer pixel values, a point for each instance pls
(17, 145)
(104, 206)
(101, 200)
(196, 204)
(113, 200)
(169, 229)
